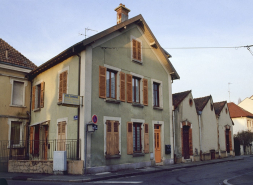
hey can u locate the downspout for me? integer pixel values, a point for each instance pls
(200, 141)
(174, 140)
(78, 109)
(29, 113)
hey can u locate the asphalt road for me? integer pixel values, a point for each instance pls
(213, 174)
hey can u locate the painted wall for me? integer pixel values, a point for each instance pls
(52, 111)
(240, 124)
(186, 112)
(209, 136)
(247, 104)
(121, 58)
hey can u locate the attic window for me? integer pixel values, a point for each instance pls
(226, 110)
(190, 102)
(211, 106)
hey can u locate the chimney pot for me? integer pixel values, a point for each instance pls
(122, 13)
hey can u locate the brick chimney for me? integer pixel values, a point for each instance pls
(122, 13)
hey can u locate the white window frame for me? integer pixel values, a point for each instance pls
(118, 70)
(58, 87)
(105, 118)
(131, 42)
(142, 121)
(160, 92)
(21, 131)
(66, 128)
(12, 83)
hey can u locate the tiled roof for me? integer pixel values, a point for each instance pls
(179, 97)
(14, 57)
(236, 111)
(218, 106)
(200, 103)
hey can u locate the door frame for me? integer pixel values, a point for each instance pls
(161, 123)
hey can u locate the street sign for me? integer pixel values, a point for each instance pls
(94, 118)
(76, 117)
(70, 100)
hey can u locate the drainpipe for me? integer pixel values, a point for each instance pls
(174, 140)
(200, 141)
(78, 110)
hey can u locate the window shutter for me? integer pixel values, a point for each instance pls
(64, 84)
(190, 142)
(134, 49)
(230, 141)
(138, 50)
(42, 90)
(146, 138)
(122, 86)
(109, 138)
(116, 138)
(129, 138)
(33, 97)
(31, 140)
(60, 87)
(145, 91)
(129, 88)
(59, 136)
(102, 82)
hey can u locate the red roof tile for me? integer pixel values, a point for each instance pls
(179, 97)
(236, 111)
(218, 106)
(14, 57)
(200, 103)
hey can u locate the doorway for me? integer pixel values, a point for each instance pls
(186, 147)
(157, 141)
(227, 141)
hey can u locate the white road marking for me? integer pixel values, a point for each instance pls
(103, 173)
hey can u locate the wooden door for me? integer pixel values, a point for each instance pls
(157, 141)
(227, 141)
(61, 136)
(45, 142)
(186, 142)
(112, 138)
(36, 140)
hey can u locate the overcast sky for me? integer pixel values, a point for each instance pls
(41, 29)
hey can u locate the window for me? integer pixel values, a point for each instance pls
(61, 142)
(112, 138)
(62, 84)
(111, 83)
(136, 89)
(156, 94)
(248, 123)
(18, 92)
(38, 96)
(15, 132)
(137, 137)
(136, 49)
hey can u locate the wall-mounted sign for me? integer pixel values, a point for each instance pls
(94, 118)
(70, 100)
(76, 117)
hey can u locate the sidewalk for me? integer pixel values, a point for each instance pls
(109, 175)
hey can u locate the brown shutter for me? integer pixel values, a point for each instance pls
(230, 142)
(145, 91)
(65, 83)
(122, 86)
(134, 49)
(139, 50)
(129, 138)
(60, 87)
(129, 88)
(31, 140)
(116, 138)
(33, 97)
(102, 82)
(42, 90)
(190, 142)
(146, 138)
(109, 137)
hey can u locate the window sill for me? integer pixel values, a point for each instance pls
(15, 146)
(137, 105)
(138, 154)
(137, 61)
(36, 110)
(20, 106)
(111, 100)
(59, 103)
(158, 108)
(112, 156)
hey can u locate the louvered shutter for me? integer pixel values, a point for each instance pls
(33, 97)
(116, 138)
(60, 87)
(109, 138)
(122, 86)
(129, 138)
(134, 49)
(65, 83)
(42, 91)
(102, 82)
(190, 142)
(138, 50)
(230, 142)
(146, 138)
(129, 88)
(31, 139)
(145, 91)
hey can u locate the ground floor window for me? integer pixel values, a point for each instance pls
(137, 146)
(15, 132)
